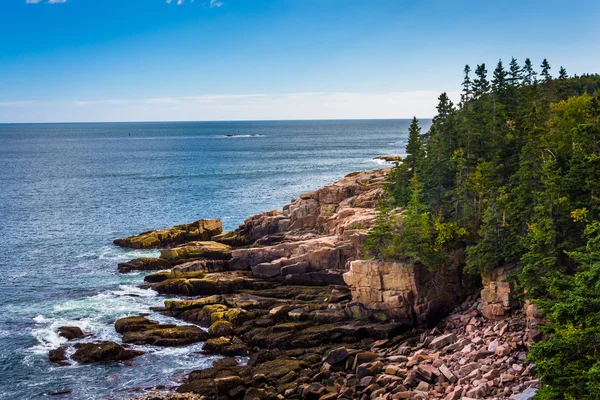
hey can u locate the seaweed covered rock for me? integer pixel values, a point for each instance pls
(224, 346)
(134, 324)
(200, 230)
(197, 250)
(140, 330)
(220, 328)
(86, 353)
(144, 264)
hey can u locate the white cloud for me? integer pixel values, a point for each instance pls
(215, 3)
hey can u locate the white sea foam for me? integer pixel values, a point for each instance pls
(381, 162)
(243, 136)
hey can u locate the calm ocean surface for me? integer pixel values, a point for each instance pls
(67, 190)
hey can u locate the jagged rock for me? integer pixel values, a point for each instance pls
(144, 264)
(102, 352)
(70, 332)
(442, 341)
(200, 230)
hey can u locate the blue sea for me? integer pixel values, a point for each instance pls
(67, 190)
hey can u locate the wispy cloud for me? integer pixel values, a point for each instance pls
(211, 4)
(46, 1)
(219, 107)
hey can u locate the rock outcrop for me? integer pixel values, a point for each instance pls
(410, 294)
(290, 290)
(144, 264)
(200, 230)
(498, 294)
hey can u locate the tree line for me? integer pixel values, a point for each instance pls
(511, 175)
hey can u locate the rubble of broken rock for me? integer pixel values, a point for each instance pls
(292, 293)
(465, 357)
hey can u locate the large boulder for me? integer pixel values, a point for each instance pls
(410, 294)
(86, 353)
(200, 230)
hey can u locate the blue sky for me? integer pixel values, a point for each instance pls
(132, 60)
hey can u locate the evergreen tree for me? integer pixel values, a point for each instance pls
(562, 73)
(480, 85)
(514, 73)
(546, 70)
(467, 85)
(529, 74)
(414, 146)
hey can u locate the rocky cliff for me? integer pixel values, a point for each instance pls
(292, 290)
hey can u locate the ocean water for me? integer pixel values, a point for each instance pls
(67, 190)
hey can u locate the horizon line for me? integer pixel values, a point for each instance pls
(230, 120)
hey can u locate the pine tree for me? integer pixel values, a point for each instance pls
(467, 85)
(529, 74)
(562, 73)
(414, 146)
(480, 85)
(499, 82)
(515, 73)
(444, 108)
(546, 70)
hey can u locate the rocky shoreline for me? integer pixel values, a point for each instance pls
(297, 311)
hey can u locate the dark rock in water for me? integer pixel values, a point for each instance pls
(61, 392)
(58, 356)
(144, 264)
(199, 230)
(102, 352)
(70, 332)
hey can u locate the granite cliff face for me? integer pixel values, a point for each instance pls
(292, 290)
